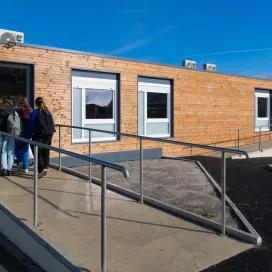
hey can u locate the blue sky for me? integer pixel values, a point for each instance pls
(236, 35)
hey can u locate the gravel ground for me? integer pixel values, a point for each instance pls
(249, 185)
(176, 182)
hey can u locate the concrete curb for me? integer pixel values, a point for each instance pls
(233, 206)
(36, 247)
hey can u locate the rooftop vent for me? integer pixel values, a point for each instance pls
(8, 36)
(191, 64)
(210, 67)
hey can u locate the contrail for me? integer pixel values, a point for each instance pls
(232, 52)
(138, 43)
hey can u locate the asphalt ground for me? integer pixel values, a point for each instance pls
(249, 185)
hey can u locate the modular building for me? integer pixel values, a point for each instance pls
(109, 93)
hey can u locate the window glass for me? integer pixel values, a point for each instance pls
(262, 107)
(156, 105)
(99, 104)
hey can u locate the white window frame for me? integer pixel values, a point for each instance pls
(84, 83)
(263, 94)
(153, 87)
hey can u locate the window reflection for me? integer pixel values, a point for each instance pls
(99, 104)
(262, 107)
(156, 105)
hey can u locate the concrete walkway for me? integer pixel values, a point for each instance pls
(140, 238)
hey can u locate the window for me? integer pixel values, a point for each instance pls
(94, 105)
(262, 107)
(154, 107)
(99, 104)
(262, 110)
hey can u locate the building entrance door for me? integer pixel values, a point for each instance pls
(16, 80)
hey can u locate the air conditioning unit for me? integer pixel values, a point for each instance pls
(191, 64)
(210, 67)
(8, 36)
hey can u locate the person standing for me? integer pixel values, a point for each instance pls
(9, 123)
(41, 129)
(21, 148)
(1, 138)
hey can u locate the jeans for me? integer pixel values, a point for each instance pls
(7, 153)
(1, 143)
(21, 153)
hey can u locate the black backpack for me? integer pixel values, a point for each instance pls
(45, 124)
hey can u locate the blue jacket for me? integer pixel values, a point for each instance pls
(32, 124)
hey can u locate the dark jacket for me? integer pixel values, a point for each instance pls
(33, 125)
(24, 113)
(4, 113)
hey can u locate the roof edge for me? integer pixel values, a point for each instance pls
(135, 60)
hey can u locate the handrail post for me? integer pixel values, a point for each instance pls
(223, 192)
(103, 220)
(260, 129)
(90, 152)
(141, 172)
(35, 191)
(238, 131)
(59, 151)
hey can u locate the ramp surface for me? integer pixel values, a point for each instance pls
(140, 238)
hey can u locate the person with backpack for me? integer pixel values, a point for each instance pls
(41, 129)
(1, 138)
(9, 123)
(21, 148)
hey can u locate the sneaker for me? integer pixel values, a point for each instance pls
(23, 171)
(42, 174)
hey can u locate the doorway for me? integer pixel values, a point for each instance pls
(16, 80)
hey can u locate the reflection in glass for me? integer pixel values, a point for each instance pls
(156, 105)
(99, 104)
(262, 107)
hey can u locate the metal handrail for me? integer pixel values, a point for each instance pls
(201, 146)
(141, 158)
(238, 130)
(106, 164)
(103, 164)
(249, 127)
